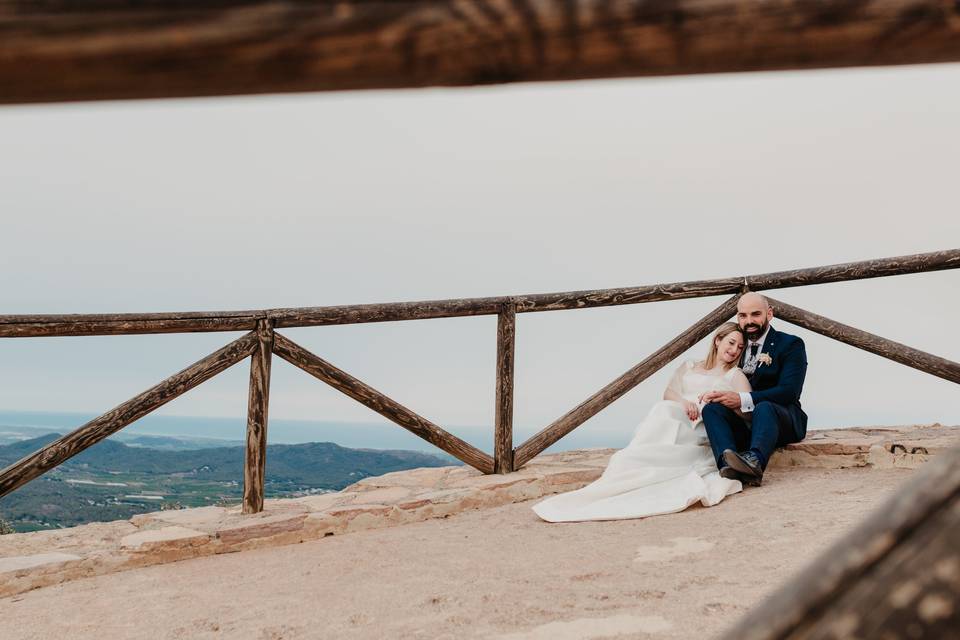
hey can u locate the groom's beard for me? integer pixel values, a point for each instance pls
(754, 331)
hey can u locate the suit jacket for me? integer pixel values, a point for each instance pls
(781, 381)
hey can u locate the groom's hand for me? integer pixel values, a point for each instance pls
(729, 399)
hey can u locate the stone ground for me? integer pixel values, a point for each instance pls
(456, 571)
(489, 573)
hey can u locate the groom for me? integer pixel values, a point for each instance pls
(769, 416)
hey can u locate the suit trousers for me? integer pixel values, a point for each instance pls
(771, 427)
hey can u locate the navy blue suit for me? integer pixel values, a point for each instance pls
(777, 418)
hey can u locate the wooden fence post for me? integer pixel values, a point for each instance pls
(503, 418)
(255, 463)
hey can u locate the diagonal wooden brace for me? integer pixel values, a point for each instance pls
(64, 448)
(390, 409)
(601, 399)
(921, 360)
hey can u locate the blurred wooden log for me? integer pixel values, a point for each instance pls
(16, 326)
(926, 362)
(115, 49)
(503, 415)
(390, 409)
(895, 576)
(64, 448)
(601, 399)
(255, 462)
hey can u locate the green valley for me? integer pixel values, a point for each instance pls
(113, 481)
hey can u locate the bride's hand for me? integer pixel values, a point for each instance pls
(692, 410)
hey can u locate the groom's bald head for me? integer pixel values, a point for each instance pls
(753, 314)
(752, 298)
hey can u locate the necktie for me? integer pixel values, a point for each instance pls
(750, 362)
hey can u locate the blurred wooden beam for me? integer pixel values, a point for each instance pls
(897, 575)
(121, 49)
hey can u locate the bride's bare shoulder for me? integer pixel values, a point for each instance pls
(736, 375)
(696, 365)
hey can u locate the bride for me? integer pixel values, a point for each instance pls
(668, 464)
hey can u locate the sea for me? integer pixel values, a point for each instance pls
(209, 431)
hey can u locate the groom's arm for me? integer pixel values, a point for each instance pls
(741, 386)
(792, 374)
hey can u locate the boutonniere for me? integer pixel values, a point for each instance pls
(764, 358)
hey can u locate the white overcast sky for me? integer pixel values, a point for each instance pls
(305, 200)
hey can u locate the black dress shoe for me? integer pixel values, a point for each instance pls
(747, 464)
(730, 473)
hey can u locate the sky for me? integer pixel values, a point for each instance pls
(341, 198)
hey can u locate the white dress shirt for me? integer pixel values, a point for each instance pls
(746, 401)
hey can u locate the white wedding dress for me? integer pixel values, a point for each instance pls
(667, 466)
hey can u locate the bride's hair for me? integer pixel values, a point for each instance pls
(725, 329)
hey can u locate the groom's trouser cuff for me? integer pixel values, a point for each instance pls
(725, 430)
(772, 427)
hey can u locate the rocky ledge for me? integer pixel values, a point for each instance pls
(32, 560)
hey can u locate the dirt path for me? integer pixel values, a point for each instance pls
(495, 573)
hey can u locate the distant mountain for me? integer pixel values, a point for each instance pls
(174, 443)
(10, 434)
(213, 431)
(112, 480)
(313, 464)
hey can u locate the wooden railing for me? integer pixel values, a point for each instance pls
(895, 576)
(263, 341)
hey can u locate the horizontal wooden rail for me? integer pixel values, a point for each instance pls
(64, 448)
(926, 362)
(115, 49)
(22, 326)
(390, 409)
(897, 575)
(603, 398)
(107, 325)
